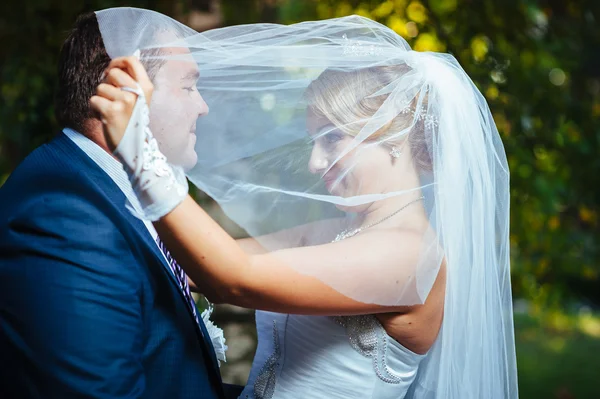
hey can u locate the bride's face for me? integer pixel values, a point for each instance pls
(365, 169)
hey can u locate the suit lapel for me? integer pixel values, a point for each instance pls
(116, 196)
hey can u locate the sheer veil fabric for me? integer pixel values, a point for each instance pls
(314, 125)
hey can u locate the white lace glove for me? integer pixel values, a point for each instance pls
(159, 186)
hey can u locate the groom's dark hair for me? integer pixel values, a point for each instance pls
(81, 63)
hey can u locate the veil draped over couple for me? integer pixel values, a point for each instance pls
(357, 166)
(371, 181)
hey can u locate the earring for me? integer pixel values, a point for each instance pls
(395, 153)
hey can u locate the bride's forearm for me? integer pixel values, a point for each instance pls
(251, 246)
(224, 272)
(211, 258)
(219, 266)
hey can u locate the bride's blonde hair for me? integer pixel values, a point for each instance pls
(345, 97)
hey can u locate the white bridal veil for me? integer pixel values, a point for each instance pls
(313, 124)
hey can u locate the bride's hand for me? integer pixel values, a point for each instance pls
(115, 105)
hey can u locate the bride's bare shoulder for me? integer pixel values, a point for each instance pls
(394, 240)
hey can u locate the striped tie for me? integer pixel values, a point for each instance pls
(180, 276)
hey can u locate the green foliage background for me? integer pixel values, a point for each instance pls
(537, 63)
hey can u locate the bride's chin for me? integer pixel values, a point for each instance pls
(347, 208)
(344, 209)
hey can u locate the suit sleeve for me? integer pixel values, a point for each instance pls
(71, 302)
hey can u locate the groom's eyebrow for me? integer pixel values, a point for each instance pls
(191, 75)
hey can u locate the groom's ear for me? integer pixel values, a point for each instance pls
(81, 63)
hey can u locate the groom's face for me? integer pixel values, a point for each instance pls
(176, 106)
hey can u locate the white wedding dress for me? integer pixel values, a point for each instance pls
(328, 357)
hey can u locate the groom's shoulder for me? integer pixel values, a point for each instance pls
(47, 172)
(42, 162)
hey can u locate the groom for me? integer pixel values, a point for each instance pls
(89, 304)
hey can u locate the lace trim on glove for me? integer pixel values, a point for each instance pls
(152, 159)
(159, 186)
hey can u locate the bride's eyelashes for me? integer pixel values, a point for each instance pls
(328, 136)
(332, 137)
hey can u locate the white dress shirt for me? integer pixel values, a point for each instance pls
(113, 168)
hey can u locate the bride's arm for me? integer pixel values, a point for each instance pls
(224, 272)
(287, 238)
(293, 237)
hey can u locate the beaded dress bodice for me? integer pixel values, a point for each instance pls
(328, 357)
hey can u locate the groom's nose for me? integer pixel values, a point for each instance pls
(202, 106)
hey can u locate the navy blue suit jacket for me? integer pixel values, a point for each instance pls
(88, 305)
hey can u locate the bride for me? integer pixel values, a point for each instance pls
(373, 185)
